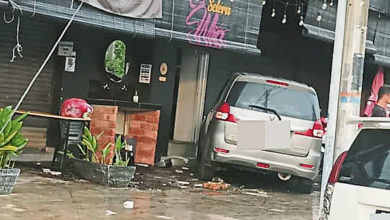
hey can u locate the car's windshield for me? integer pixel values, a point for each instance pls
(287, 102)
(368, 160)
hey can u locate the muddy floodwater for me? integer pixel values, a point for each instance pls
(39, 197)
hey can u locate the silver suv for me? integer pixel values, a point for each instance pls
(249, 97)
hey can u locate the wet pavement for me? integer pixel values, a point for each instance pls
(157, 194)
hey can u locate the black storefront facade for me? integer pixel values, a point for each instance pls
(201, 42)
(183, 40)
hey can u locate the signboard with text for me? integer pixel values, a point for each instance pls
(221, 24)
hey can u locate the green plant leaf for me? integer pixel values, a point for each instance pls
(1, 138)
(88, 145)
(9, 138)
(21, 117)
(87, 133)
(94, 144)
(9, 148)
(17, 140)
(118, 143)
(8, 128)
(82, 150)
(106, 151)
(22, 145)
(5, 114)
(99, 135)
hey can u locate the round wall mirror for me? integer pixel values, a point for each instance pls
(115, 61)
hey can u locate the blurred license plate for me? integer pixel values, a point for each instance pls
(263, 135)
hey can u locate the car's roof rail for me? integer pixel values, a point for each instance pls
(368, 121)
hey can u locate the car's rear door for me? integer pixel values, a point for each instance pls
(363, 187)
(292, 103)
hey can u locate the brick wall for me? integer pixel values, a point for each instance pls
(103, 119)
(144, 128)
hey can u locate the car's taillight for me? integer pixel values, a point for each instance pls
(317, 131)
(307, 166)
(276, 82)
(223, 113)
(334, 175)
(220, 150)
(263, 165)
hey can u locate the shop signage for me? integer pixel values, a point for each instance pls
(207, 31)
(219, 8)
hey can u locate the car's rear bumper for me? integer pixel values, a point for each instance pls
(285, 164)
(363, 202)
(278, 162)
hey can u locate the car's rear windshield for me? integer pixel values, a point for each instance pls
(368, 160)
(285, 101)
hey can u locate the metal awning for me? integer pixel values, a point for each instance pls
(378, 32)
(61, 9)
(328, 36)
(240, 29)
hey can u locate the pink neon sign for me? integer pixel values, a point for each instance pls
(206, 31)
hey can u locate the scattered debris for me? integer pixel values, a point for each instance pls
(216, 186)
(180, 184)
(166, 163)
(185, 168)
(191, 174)
(81, 181)
(183, 182)
(13, 208)
(255, 192)
(217, 180)
(50, 172)
(128, 205)
(277, 210)
(38, 164)
(179, 171)
(142, 165)
(198, 185)
(164, 217)
(109, 212)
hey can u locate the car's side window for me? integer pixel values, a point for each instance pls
(368, 160)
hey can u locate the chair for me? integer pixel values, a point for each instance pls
(71, 134)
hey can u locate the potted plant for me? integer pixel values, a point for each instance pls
(96, 167)
(12, 143)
